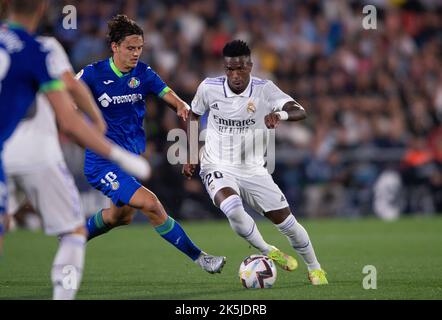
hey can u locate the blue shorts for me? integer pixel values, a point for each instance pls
(111, 180)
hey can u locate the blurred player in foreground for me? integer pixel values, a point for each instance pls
(120, 85)
(232, 169)
(25, 68)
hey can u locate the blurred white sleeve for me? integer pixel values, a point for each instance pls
(275, 96)
(199, 105)
(58, 61)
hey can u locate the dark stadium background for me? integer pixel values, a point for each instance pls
(374, 97)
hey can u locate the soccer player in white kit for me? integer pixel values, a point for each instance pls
(241, 110)
(34, 163)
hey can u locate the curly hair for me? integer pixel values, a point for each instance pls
(120, 27)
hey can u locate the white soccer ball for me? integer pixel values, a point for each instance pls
(257, 272)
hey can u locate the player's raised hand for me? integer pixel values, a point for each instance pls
(183, 111)
(188, 170)
(272, 120)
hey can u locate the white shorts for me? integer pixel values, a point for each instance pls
(52, 192)
(260, 192)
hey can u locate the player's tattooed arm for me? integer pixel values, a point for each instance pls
(291, 111)
(182, 108)
(192, 143)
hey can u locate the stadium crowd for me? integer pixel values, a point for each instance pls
(373, 137)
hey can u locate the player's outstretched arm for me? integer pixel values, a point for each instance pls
(291, 111)
(192, 145)
(182, 108)
(72, 123)
(84, 100)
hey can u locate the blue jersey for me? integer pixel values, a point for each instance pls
(23, 71)
(122, 101)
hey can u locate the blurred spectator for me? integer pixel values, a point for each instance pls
(374, 97)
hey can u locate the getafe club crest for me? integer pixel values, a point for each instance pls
(115, 185)
(133, 82)
(251, 107)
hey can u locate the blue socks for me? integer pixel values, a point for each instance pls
(96, 226)
(169, 230)
(174, 234)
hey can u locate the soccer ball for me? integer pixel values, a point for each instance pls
(257, 272)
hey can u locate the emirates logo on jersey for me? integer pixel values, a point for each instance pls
(233, 123)
(133, 82)
(251, 107)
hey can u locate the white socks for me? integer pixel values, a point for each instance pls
(67, 267)
(245, 227)
(242, 223)
(300, 241)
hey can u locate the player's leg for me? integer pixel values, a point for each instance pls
(3, 200)
(54, 194)
(170, 230)
(108, 218)
(269, 200)
(16, 201)
(224, 192)
(299, 239)
(128, 194)
(67, 268)
(119, 187)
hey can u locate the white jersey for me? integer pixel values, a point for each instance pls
(237, 137)
(34, 144)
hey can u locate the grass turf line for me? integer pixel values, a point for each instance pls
(135, 263)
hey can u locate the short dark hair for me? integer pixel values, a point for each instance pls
(26, 7)
(120, 27)
(236, 48)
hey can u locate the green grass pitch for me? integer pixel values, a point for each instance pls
(135, 263)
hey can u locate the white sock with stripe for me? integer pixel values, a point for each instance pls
(300, 241)
(242, 223)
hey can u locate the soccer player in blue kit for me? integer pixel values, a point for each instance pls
(120, 85)
(25, 68)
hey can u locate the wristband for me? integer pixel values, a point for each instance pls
(283, 115)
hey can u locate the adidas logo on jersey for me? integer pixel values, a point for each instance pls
(104, 99)
(282, 199)
(214, 106)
